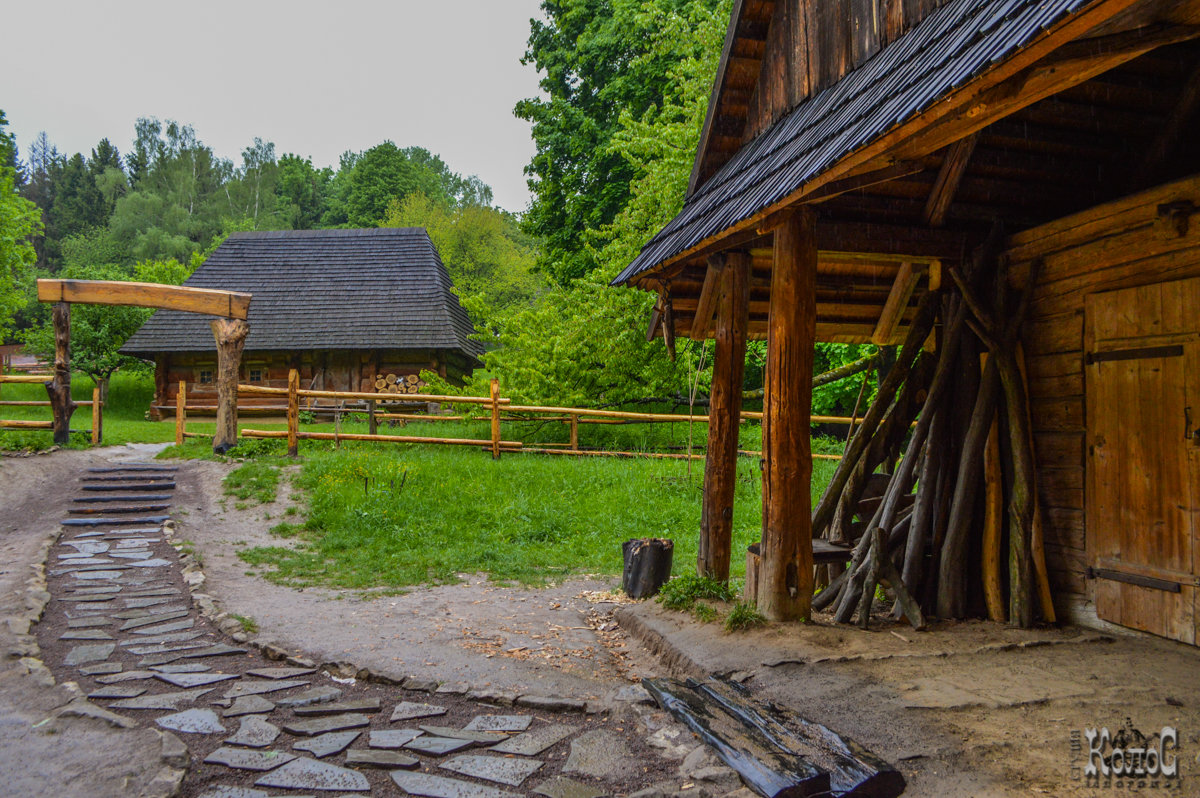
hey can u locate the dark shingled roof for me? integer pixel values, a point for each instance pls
(953, 45)
(324, 289)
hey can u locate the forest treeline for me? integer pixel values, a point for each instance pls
(625, 90)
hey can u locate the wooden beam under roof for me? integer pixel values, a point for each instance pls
(950, 176)
(902, 290)
(709, 293)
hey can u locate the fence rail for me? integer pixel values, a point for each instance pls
(501, 410)
(96, 432)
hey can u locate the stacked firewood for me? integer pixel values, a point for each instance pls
(950, 528)
(404, 383)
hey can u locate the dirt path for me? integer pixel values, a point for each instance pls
(44, 751)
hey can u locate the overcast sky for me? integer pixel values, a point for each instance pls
(315, 78)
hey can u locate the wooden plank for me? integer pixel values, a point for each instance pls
(725, 408)
(293, 413)
(993, 523)
(181, 413)
(350, 436)
(902, 290)
(785, 579)
(494, 391)
(707, 302)
(25, 379)
(97, 416)
(20, 424)
(227, 304)
(950, 176)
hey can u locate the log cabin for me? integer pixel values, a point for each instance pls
(1001, 177)
(347, 308)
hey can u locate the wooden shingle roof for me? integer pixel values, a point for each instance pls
(324, 289)
(953, 45)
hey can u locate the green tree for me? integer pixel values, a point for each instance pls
(109, 174)
(600, 59)
(301, 191)
(20, 220)
(489, 259)
(178, 201)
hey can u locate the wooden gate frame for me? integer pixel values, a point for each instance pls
(229, 330)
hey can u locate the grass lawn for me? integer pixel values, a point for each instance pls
(409, 515)
(396, 515)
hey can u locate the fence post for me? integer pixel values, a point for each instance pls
(97, 416)
(495, 392)
(372, 423)
(574, 432)
(180, 412)
(293, 413)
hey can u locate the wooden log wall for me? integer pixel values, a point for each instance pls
(811, 44)
(337, 371)
(1122, 244)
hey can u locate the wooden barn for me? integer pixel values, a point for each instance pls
(1010, 179)
(344, 307)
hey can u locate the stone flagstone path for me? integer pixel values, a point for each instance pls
(122, 623)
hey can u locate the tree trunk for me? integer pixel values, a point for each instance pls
(786, 574)
(230, 335)
(724, 417)
(59, 388)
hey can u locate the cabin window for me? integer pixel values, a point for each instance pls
(256, 375)
(205, 377)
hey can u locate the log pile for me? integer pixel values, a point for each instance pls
(403, 383)
(953, 528)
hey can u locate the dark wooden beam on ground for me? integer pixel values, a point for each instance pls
(724, 417)
(948, 180)
(785, 579)
(230, 335)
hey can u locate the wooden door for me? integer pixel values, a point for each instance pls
(1142, 371)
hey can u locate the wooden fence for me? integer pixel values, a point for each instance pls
(500, 409)
(97, 430)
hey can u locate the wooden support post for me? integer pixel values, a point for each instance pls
(97, 416)
(574, 432)
(372, 421)
(230, 335)
(993, 524)
(724, 416)
(495, 394)
(181, 414)
(59, 388)
(293, 413)
(785, 580)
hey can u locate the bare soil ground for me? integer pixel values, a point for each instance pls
(968, 709)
